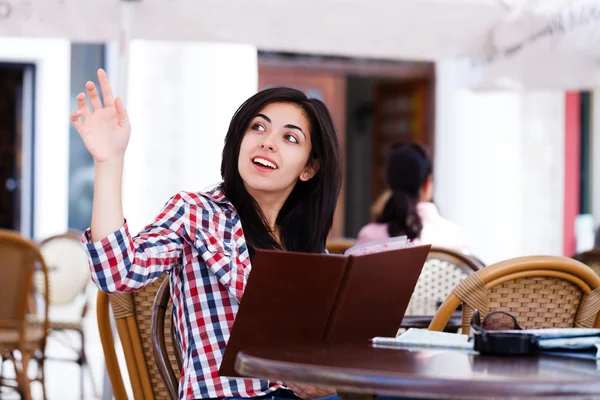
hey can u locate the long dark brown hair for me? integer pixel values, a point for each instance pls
(306, 217)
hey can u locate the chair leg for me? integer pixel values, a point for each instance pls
(22, 377)
(82, 364)
(81, 379)
(42, 375)
(2, 359)
(1, 368)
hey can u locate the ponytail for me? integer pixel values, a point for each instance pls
(400, 214)
(408, 168)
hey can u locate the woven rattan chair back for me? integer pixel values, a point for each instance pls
(20, 260)
(541, 291)
(68, 270)
(133, 316)
(443, 270)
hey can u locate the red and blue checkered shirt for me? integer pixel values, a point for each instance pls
(198, 239)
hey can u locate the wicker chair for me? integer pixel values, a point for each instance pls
(339, 245)
(164, 352)
(443, 270)
(541, 291)
(20, 259)
(133, 314)
(69, 279)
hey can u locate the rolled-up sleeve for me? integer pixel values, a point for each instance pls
(122, 263)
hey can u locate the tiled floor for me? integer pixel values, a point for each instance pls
(63, 378)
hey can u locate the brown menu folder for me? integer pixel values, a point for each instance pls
(299, 298)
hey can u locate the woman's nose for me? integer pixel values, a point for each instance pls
(268, 142)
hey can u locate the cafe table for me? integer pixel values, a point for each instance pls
(361, 371)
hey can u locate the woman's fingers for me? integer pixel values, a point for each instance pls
(310, 392)
(122, 117)
(82, 105)
(93, 95)
(107, 94)
(76, 119)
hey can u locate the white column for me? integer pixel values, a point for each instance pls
(52, 61)
(499, 166)
(181, 97)
(542, 174)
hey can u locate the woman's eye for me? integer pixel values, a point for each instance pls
(291, 138)
(258, 127)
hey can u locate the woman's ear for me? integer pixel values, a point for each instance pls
(310, 171)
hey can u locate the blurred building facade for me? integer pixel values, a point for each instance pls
(513, 168)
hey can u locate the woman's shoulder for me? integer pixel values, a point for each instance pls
(212, 200)
(430, 214)
(207, 215)
(440, 231)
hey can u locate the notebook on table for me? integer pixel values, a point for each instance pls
(299, 298)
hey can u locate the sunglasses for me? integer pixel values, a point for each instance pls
(495, 321)
(490, 336)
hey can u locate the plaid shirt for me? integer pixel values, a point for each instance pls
(198, 238)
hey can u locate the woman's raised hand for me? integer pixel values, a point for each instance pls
(104, 129)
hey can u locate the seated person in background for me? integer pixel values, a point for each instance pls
(409, 210)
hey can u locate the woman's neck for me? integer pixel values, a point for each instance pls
(270, 204)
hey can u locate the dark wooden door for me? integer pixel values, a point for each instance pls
(11, 88)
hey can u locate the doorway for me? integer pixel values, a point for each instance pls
(16, 144)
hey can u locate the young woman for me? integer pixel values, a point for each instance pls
(408, 208)
(281, 178)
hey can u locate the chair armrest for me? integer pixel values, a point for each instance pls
(159, 347)
(108, 347)
(444, 313)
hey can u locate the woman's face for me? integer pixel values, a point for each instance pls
(275, 149)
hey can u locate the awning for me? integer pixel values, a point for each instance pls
(396, 29)
(505, 43)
